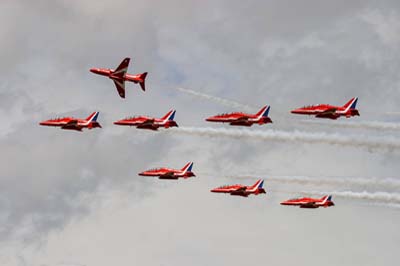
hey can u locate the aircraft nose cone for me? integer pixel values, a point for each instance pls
(295, 111)
(93, 70)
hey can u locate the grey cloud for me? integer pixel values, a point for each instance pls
(280, 53)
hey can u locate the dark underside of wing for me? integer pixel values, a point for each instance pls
(169, 175)
(239, 192)
(244, 120)
(149, 124)
(310, 205)
(120, 85)
(328, 112)
(72, 124)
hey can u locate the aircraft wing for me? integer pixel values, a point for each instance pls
(122, 68)
(311, 204)
(242, 119)
(168, 175)
(330, 111)
(240, 192)
(148, 122)
(241, 189)
(71, 123)
(120, 85)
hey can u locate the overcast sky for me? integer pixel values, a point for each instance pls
(74, 199)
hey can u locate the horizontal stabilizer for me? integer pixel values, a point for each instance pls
(142, 83)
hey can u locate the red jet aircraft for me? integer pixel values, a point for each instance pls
(242, 119)
(241, 190)
(325, 201)
(330, 111)
(149, 122)
(72, 123)
(119, 76)
(168, 173)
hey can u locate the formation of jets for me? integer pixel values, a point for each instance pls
(120, 75)
(234, 119)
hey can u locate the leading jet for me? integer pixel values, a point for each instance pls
(71, 123)
(119, 76)
(151, 123)
(311, 203)
(169, 173)
(243, 119)
(329, 111)
(242, 190)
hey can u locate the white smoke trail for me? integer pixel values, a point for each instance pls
(383, 197)
(392, 113)
(362, 125)
(218, 100)
(294, 136)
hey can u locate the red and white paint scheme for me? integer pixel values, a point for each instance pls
(241, 190)
(119, 76)
(168, 173)
(71, 123)
(325, 201)
(330, 111)
(151, 123)
(242, 119)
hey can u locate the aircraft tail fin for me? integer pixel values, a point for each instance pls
(261, 184)
(351, 104)
(264, 111)
(169, 116)
(257, 185)
(92, 117)
(143, 80)
(187, 167)
(326, 198)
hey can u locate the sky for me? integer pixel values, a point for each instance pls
(75, 199)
